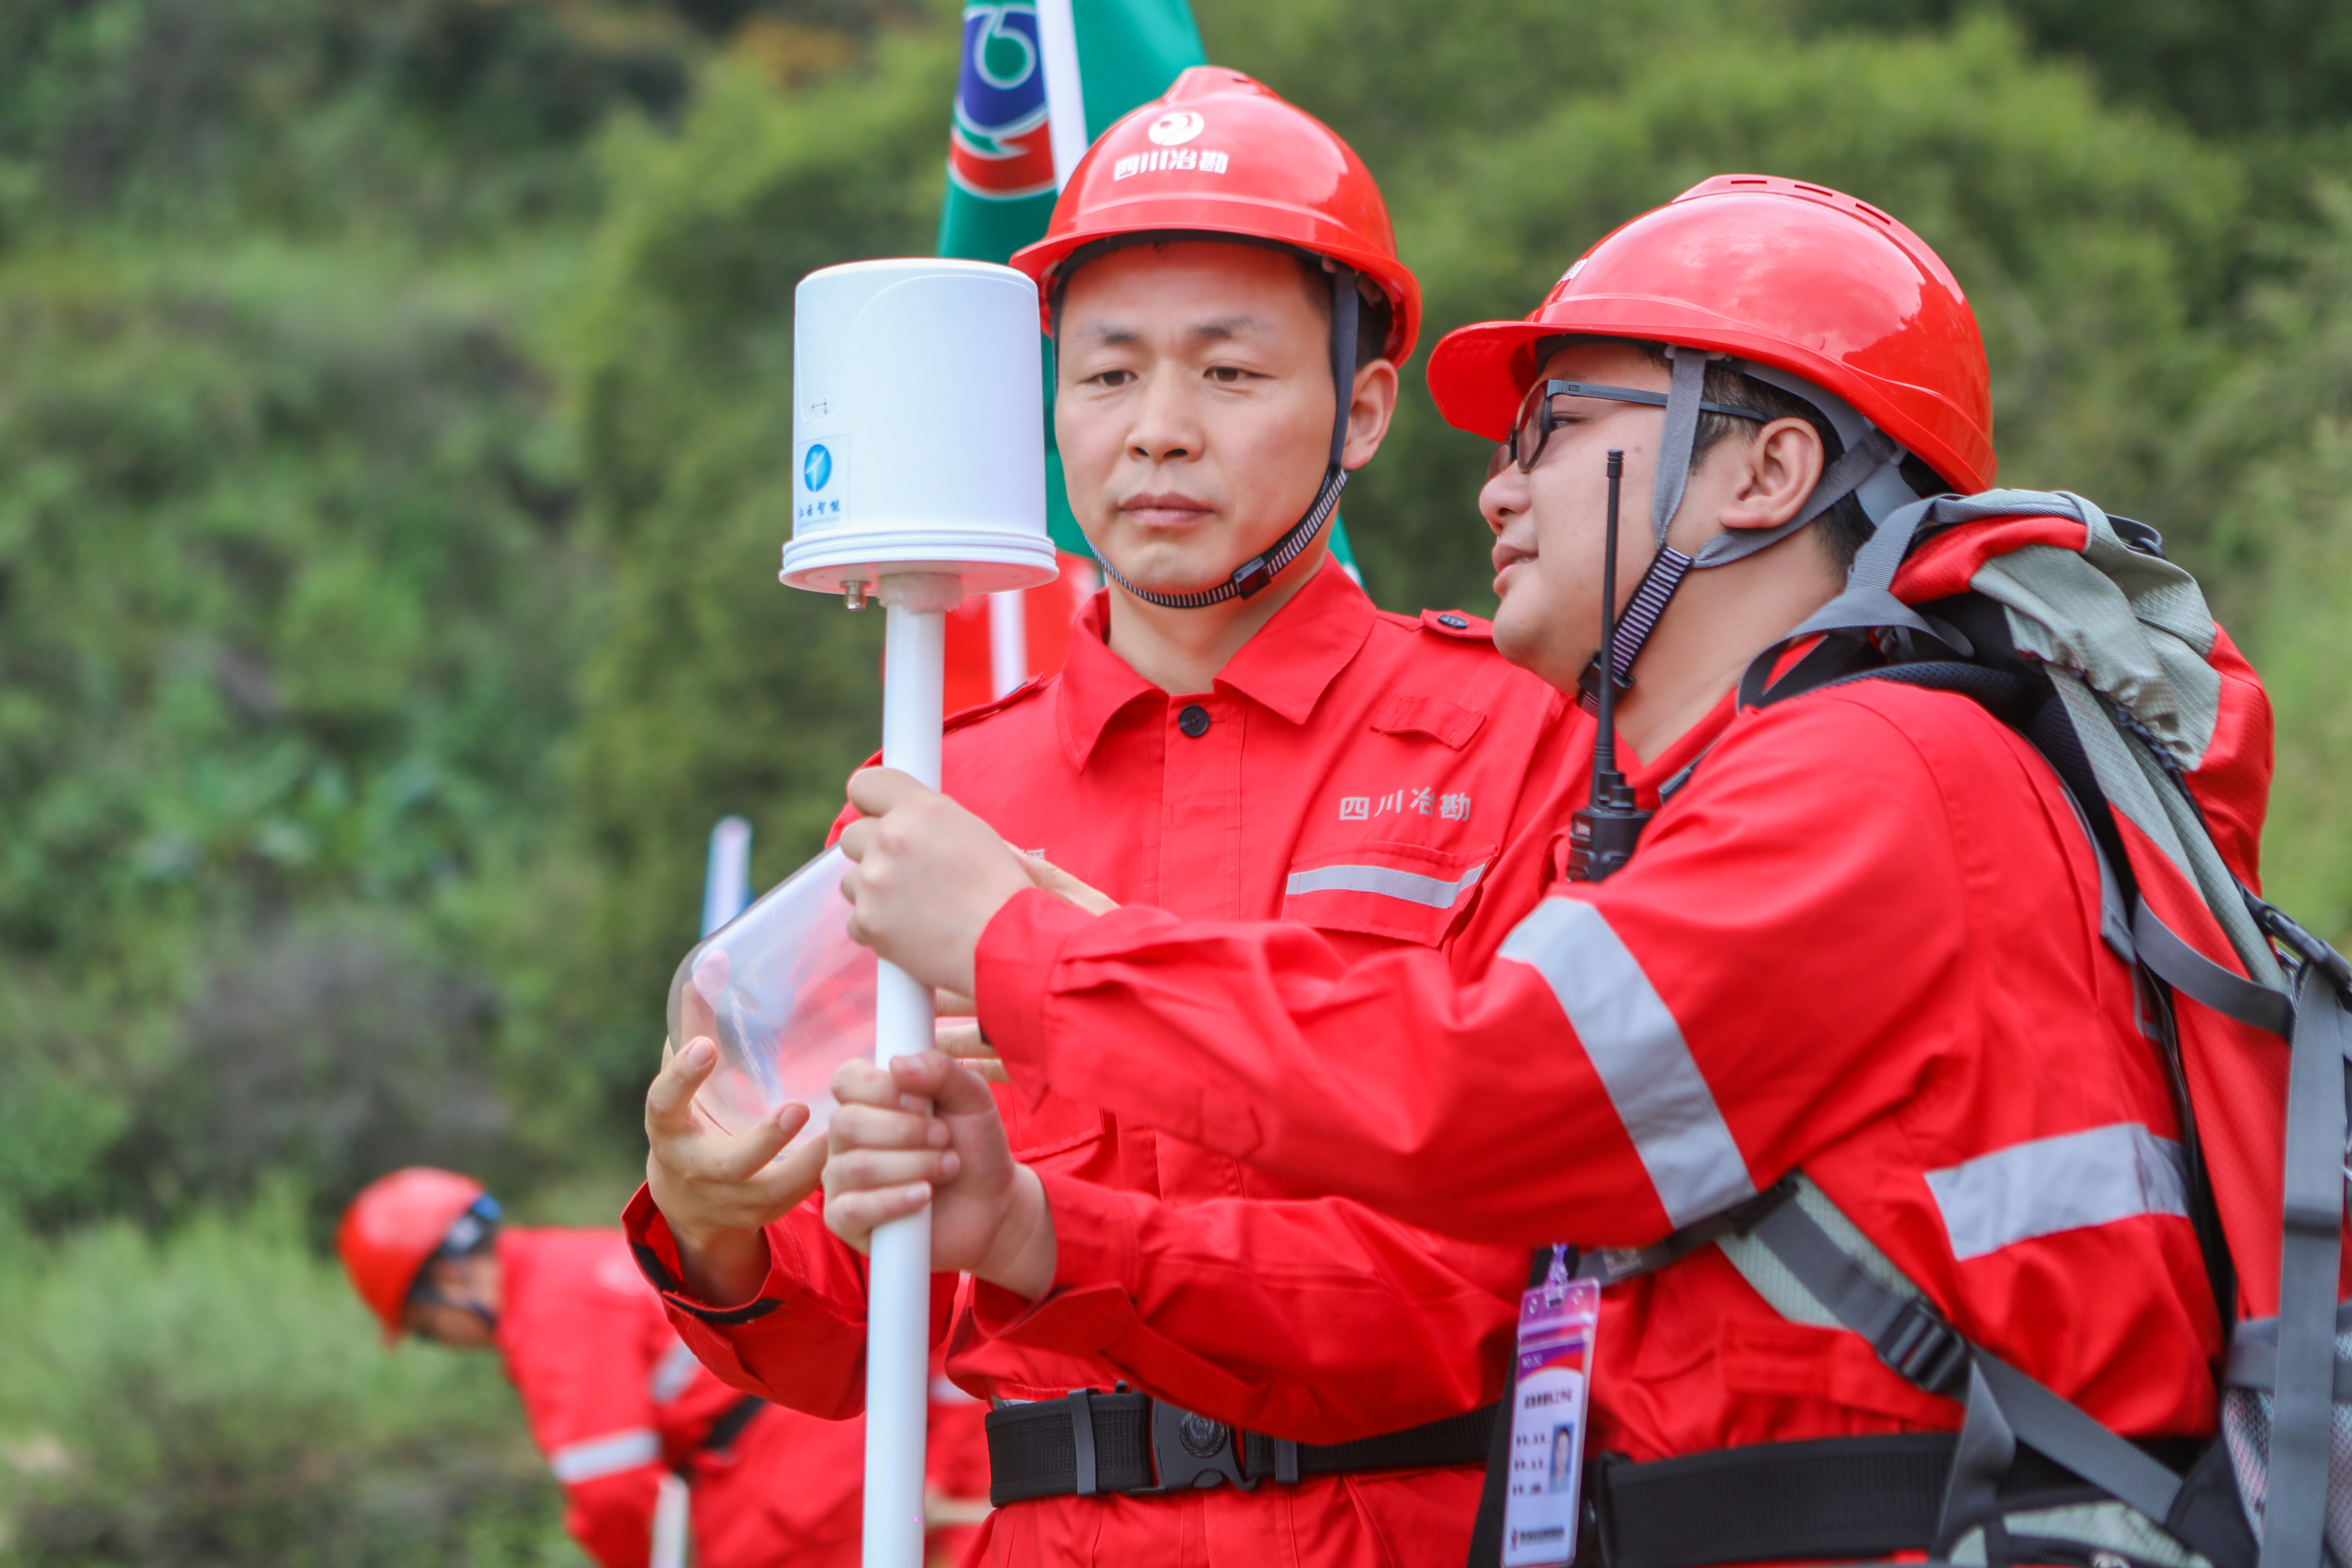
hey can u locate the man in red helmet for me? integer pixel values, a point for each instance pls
(1842, 1078)
(652, 1451)
(1236, 732)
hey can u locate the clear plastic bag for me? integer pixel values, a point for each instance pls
(785, 993)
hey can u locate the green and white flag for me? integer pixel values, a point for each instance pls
(1040, 80)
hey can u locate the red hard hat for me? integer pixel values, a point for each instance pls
(393, 1227)
(1222, 155)
(1776, 271)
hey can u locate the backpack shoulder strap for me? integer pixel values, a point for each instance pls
(2311, 1253)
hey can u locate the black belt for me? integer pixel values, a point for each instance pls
(1833, 1499)
(1091, 1442)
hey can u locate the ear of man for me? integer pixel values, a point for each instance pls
(1779, 466)
(1838, 533)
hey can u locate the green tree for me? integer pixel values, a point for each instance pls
(2272, 448)
(715, 689)
(2280, 67)
(220, 1397)
(2096, 244)
(292, 598)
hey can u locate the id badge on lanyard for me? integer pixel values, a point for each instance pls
(1548, 1419)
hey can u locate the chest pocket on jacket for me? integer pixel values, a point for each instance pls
(1400, 891)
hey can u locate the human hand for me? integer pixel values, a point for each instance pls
(929, 878)
(926, 1130)
(717, 1191)
(955, 1029)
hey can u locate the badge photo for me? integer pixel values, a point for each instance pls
(1548, 1405)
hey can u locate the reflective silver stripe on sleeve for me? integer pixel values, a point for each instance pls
(672, 1375)
(608, 1455)
(2052, 1185)
(1437, 892)
(1638, 1049)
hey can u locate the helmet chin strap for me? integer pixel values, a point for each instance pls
(1871, 459)
(1260, 570)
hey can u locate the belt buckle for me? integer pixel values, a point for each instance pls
(1190, 1451)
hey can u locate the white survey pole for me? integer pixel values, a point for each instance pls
(919, 476)
(1008, 640)
(899, 1284)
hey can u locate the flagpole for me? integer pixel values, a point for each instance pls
(1066, 100)
(727, 882)
(1065, 127)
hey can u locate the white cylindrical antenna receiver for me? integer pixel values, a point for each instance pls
(919, 476)
(918, 426)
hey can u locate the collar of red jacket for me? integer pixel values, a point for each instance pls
(1286, 668)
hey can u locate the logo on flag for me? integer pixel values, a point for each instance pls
(998, 149)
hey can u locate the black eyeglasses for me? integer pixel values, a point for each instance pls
(1535, 422)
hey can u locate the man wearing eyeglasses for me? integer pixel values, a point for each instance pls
(1828, 1054)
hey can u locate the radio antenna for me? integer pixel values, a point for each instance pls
(1602, 837)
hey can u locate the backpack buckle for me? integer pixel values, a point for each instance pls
(1924, 1350)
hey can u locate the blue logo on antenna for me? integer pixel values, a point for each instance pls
(816, 467)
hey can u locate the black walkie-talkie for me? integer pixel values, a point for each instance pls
(1602, 837)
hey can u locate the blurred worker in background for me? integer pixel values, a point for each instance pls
(652, 1451)
(1215, 1369)
(1846, 1080)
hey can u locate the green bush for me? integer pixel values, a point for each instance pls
(218, 1396)
(2096, 244)
(2272, 446)
(438, 119)
(716, 690)
(292, 608)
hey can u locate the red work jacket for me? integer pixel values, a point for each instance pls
(1863, 940)
(1371, 777)
(614, 1401)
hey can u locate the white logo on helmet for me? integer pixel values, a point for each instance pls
(1136, 164)
(1173, 130)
